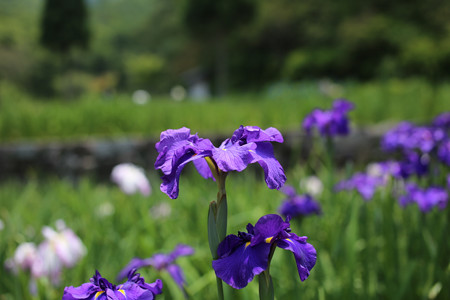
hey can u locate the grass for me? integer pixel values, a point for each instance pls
(366, 250)
(283, 106)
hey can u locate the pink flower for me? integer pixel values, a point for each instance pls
(67, 246)
(131, 179)
(23, 258)
(60, 248)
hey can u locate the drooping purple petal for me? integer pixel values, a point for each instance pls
(177, 275)
(273, 171)
(176, 148)
(203, 168)
(172, 142)
(304, 253)
(171, 181)
(239, 268)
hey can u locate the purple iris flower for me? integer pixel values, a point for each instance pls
(249, 144)
(406, 136)
(387, 169)
(161, 262)
(443, 152)
(99, 288)
(397, 137)
(426, 199)
(414, 163)
(298, 205)
(442, 120)
(243, 256)
(448, 181)
(330, 122)
(366, 185)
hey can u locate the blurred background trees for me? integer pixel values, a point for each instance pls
(238, 45)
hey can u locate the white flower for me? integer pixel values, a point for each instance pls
(24, 257)
(47, 263)
(61, 248)
(131, 179)
(65, 244)
(312, 185)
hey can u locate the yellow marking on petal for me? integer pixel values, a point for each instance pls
(98, 294)
(289, 240)
(246, 244)
(268, 240)
(122, 291)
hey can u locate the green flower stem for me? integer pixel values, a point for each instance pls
(266, 291)
(217, 218)
(329, 148)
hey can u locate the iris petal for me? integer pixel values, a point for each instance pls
(81, 292)
(273, 171)
(233, 157)
(171, 181)
(239, 268)
(135, 263)
(304, 253)
(269, 226)
(177, 274)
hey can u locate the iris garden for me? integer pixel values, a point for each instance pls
(367, 234)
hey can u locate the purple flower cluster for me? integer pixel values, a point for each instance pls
(99, 288)
(330, 122)
(426, 198)
(249, 144)
(420, 144)
(298, 205)
(422, 149)
(245, 255)
(365, 184)
(161, 262)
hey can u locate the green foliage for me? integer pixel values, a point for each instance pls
(365, 250)
(143, 71)
(283, 106)
(242, 45)
(64, 25)
(209, 18)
